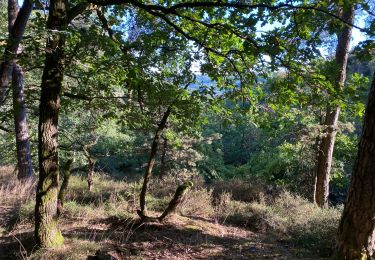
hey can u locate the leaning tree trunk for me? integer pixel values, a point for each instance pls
(176, 200)
(25, 169)
(356, 235)
(151, 161)
(47, 233)
(163, 166)
(325, 150)
(17, 20)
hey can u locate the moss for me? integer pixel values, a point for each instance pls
(50, 236)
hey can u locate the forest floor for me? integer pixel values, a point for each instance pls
(178, 238)
(106, 236)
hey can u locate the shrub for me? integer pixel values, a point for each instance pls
(244, 189)
(290, 217)
(198, 202)
(306, 224)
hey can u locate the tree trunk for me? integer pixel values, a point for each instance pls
(327, 143)
(90, 175)
(25, 169)
(47, 233)
(17, 21)
(314, 174)
(24, 164)
(176, 200)
(356, 236)
(163, 165)
(90, 163)
(151, 161)
(64, 186)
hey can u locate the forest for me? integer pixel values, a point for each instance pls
(187, 129)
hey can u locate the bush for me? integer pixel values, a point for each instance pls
(290, 217)
(244, 189)
(198, 202)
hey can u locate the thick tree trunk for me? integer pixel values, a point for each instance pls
(17, 21)
(356, 235)
(47, 233)
(327, 143)
(25, 169)
(151, 161)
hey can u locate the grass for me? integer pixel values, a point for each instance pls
(11, 190)
(248, 205)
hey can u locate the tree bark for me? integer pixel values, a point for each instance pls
(163, 162)
(90, 163)
(176, 200)
(17, 21)
(90, 174)
(356, 235)
(64, 186)
(24, 164)
(25, 169)
(151, 161)
(47, 233)
(325, 150)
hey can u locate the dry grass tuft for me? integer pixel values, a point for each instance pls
(13, 191)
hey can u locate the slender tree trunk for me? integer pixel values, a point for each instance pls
(151, 161)
(356, 235)
(47, 233)
(163, 165)
(17, 21)
(66, 169)
(25, 169)
(90, 163)
(327, 143)
(19, 111)
(314, 175)
(90, 174)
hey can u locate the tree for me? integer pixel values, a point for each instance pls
(24, 165)
(327, 140)
(10, 71)
(356, 234)
(47, 233)
(17, 20)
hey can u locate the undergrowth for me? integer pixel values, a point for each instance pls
(248, 204)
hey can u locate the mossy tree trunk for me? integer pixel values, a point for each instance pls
(66, 170)
(176, 200)
(25, 169)
(91, 160)
(356, 235)
(327, 141)
(47, 233)
(151, 160)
